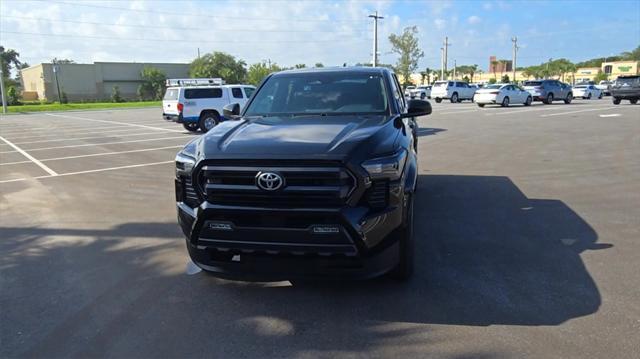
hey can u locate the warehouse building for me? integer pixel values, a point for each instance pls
(90, 81)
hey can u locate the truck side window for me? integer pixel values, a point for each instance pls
(398, 96)
(237, 92)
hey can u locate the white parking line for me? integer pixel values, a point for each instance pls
(570, 112)
(116, 122)
(93, 155)
(87, 138)
(33, 159)
(88, 171)
(77, 130)
(100, 144)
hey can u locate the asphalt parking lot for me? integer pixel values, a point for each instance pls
(528, 227)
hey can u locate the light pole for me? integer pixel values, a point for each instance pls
(4, 95)
(375, 38)
(55, 74)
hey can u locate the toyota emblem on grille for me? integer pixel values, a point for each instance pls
(269, 181)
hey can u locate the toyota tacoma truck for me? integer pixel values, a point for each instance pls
(314, 178)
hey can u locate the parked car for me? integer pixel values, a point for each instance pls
(455, 91)
(421, 92)
(605, 87)
(548, 91)
(502, 94)
(197, 104)
(587, 92)
(315, 178)
(408, 89)
(626, 88)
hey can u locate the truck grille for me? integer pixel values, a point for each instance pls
(190, 197)
(307, 185)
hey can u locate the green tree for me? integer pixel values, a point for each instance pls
(300, 66)
(62, 61)
(9, 58)
(600, 76)
(13, 96)
(493, 80)
(257, 72)
(115, 94)
(505, 79)
(152, 86)
(319, 64)
(406, 45)
(633, 55)
(219, 64)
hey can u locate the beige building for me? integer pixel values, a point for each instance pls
(90, 81)
(611, 69)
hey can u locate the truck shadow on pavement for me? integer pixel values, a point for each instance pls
(486, 254)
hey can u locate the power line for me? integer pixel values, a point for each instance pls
(181, 40)
(173, 27)
(180, 13)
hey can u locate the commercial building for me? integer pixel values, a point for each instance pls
(496, 65)
(90, 81)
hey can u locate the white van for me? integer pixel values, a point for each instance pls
(198, 103)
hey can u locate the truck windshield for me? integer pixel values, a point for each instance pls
(320, 93)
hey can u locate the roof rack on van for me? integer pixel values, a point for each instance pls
(195, 82)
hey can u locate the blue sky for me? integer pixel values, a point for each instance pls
(331, 32)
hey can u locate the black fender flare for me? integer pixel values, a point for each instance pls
(411, 175)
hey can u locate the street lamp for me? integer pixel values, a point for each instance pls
(55, 74)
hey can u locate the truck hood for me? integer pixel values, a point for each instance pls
(303, 136)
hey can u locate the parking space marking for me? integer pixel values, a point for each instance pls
(33, 159)
(116, 122)
(74, 131)
(88, 171)
(94, 155)
(84, 138)
(100, 144)
(570, 112)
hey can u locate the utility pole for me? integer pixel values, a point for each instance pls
(441, 63)
(515, 54)
(454, 69)
(375, 37)
(446, 52)
(55, 74)
(4, 95)
(198, 52)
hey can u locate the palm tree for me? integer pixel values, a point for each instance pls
(494, 63)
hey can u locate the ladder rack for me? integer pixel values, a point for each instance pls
(195, 82)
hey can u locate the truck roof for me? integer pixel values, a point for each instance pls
(358, 69)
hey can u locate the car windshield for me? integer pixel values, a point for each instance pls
(533, 83)
(442, 84)
(493, 86)
(320, 93)
(581, 87)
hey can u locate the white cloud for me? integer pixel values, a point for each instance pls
(440, 23)
(487, 6)
(473, 19)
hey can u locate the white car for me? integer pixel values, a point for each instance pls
(198, 103)
(407, 91)
(455, 91)
(421, 92)
(605, 87)
(587, 92)
(503, 95)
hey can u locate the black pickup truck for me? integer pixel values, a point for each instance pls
(315, 177)
(626, 88)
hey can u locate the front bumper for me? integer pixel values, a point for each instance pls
(248, 243)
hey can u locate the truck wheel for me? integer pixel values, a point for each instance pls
(634, 101)
(438, 100)
(480, 104)
(568, 99)
(454, 97)
(404, 269)
(505, 102)
(616, 101)
(529, 101)
(208, 120)
(422, 96)
(191, 126)
(549, 99)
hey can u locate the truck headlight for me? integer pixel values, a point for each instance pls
(185, 160)
(389, 167)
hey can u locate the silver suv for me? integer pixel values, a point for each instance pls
(548, 91)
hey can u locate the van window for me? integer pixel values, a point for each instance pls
(203, 93)
(236, 92)
(171, 95)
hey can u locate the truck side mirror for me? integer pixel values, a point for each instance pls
(231, 111)
(418, 108)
